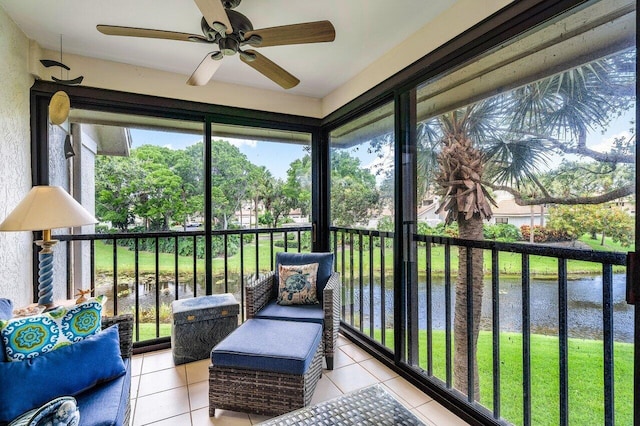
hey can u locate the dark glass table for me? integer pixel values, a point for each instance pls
(368, 406)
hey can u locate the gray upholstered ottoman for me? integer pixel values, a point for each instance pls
(266, 367)
(200, 323)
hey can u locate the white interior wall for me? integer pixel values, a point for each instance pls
(15, 160)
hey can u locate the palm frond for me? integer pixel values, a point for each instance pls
(512, 162)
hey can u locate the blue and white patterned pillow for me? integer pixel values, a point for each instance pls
(61, 411)
(28, 337)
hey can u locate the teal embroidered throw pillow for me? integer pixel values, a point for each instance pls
(297, 284)
(28, 337)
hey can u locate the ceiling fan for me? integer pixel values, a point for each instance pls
(231, 31)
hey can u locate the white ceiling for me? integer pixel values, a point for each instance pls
(365, 30)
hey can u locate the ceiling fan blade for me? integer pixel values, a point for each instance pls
(205, 70)
(309, 32)
(213, 11)
(270, 69)
(143, 32)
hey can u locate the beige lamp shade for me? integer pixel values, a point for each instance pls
(59, 107)
(47, 207)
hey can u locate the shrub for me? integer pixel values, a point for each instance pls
(501, 232)
(542, 234)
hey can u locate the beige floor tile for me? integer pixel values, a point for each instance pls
(342, 341)
(162, 380)
(135, 381)
(156, 361)
(325, 390)
(223, 418)
(133, 410)
(161, 405)
(422, 418)
(181, 420)
(197, 371)
(355, 352)
(136, 364)
(341, 359)
(199, 395)
(257, 418)
(378, 369)
(409, 394)
(439, 415)
(351, 377)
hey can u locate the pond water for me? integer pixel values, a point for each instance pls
(585, 318)
(584, 303)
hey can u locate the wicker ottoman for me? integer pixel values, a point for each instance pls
(266, 367)
(200, 323)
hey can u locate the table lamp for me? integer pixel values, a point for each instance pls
(45, 208)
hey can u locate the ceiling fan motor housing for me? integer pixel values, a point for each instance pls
(239, 23)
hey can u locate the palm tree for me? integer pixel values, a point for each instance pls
(500, 143)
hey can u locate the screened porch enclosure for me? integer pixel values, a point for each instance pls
(519, 316)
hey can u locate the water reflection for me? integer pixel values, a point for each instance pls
(585, 317)
(584, 295)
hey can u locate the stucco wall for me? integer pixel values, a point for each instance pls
(15, 159)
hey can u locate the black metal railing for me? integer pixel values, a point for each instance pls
(530, 291)
(143, 273)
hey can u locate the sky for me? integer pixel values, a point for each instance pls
(277, 156)
(274, 156)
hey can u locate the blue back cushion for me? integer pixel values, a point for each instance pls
(325, 267)
(65, 371)
(6, 309)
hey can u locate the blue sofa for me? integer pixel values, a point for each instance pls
(104, 403)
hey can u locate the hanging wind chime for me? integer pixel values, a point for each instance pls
(60, 104)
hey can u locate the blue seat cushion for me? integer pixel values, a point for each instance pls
(106, 404)
(302, 313)
(290, 349)
(325, 267)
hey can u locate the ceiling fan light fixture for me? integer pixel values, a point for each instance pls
(230, 4)
(229, 46)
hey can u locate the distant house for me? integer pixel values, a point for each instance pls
(427, 211)
(509, 212)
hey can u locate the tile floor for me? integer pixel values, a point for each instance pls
(165, 395)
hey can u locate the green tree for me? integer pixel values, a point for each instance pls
(297, 187)
(116, 180)
(261, 188)
(160, 193)
(189, 165)
(604, 219)
(230, 180)
(354, 196)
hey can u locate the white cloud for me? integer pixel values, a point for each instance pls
(606, 143)
(243, 142)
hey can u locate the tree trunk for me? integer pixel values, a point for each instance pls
(470, 229)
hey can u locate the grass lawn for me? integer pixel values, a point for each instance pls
(586, 399)
(148, 331)
(147, 260)
(509, 263)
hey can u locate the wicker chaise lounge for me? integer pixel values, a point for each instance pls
(261, 295)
